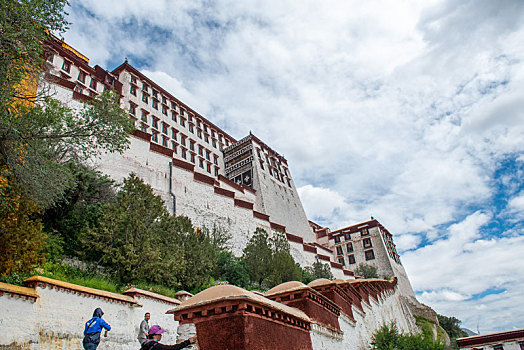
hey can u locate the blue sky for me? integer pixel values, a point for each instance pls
(412, 112)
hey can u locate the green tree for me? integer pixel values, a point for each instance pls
(38, 134)
(366, 271)
(452, 327)
(199, 253)
(80, 207)
(232, 269)
(137, 238)
(269, 261)
(257, 256)
(283, 267)
(319, 270)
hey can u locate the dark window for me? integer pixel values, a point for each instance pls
(164, 128)
(182, 122)
(50, 57)
(206, 138)
(173, 132)
(347, 236)
(200, 151)
(132, 109)
(132, 90)
(337, 238)
(364, 232)
(351, 259)
(133, 79)
(209, 168)
(155, 137)
(66, 66)
(201, 163)
(341, 261)
(78, 89)
(369, 254)
(216, 160)
(192, 145)
(173, 116)
(207, 155)
(192, 158)
(144, 97)
(199, 133)
(174, 146)
(214, 144)
(498, 347)
(191, 128)
(339, 250)
(155, 93)
(164, 100)
(173, 105)
(521, 345)
(183, 140)
(155, 104)
(144, 116)
(92, 85)
(216, 171)
(82, 76)
(164, 110)
(164, 141)
(155, 123)
(349, 247)
(367, 243)
(184, 154)
(145, 87)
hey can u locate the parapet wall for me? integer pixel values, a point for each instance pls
(325, 315)
(233, 318)
(50, 314)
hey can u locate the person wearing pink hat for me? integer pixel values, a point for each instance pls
(155, 335)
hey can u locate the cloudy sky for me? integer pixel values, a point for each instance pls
(410, 111)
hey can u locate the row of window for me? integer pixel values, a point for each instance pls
(272, 168)
(347, 235)
(366, 243)
(81, 78)
(369, 254)
(178, 113)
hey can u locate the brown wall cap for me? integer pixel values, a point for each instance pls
(132, 292)
(44, 281)
(18, 290)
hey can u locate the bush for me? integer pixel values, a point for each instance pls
(319, 270)
(366, 271)
(388, 337)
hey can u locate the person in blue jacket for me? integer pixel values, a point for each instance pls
(93, 329)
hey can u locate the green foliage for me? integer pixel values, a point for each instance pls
(388, 337)
(23, 27)
(452, 327)
(232, 269)
(366, 271)
(37, 142)
(80, 207)
(199, 253)
(319, 270)
(136, 237)
(268, 260)
(257, 256)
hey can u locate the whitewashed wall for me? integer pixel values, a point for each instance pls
(56, 320)
(357, 334)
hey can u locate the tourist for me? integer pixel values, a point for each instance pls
(144, 328)
(93, 329)
(154, 337)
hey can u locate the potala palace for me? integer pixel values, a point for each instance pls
(204, 173)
